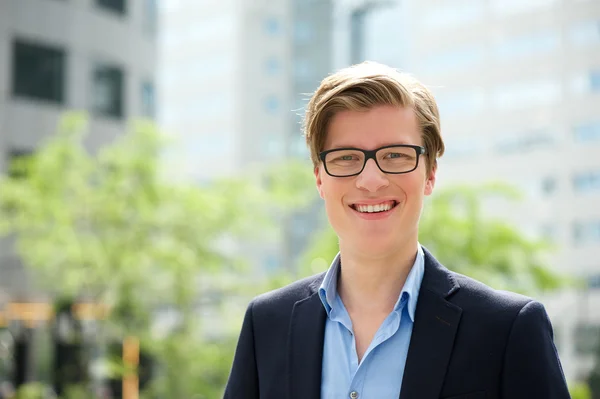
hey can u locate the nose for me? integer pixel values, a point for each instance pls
(371, 178)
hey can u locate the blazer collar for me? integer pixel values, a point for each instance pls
(436, 322)
(432, 341)
(305, 345)
(437, 278)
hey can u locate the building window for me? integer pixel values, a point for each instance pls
(586, 232)
(585, 33)
(148, 100)
(577, 232)
(454, 14)
(117, 6)
(464, 147)
(303, 70)
(204, 106)
(456, 59)
(302, 32)
(203, 31)
(38, 72)
(595, 80)
(273, 146)
(594, 281)
(527, 94)
(587, 338)
(523, 142)
(108, 96)
(357, 39)
(511, 7)
(272, 104)
(585, 82)
(17, 160)
(587, 181)
(273, 66)
(587, 132)
(272, 26)
(578, 84)
(150, 16)
(549, 185)
(199, 72)
(549, 232)
(298, 146)
(465, 101)
(272, 262)
(528, 45)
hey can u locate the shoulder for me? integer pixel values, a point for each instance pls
(468, 293)
(284, 298)
(498, 313)
(484, 301)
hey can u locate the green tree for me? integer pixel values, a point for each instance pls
(580, 391)
(456, 229)
(594, 377)
(113, 227)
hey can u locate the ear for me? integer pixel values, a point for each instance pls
(430, 182)
(318, 180)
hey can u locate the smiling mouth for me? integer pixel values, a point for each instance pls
(378, 208)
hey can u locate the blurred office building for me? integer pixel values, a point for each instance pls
(96, 56)
(518, 83)
(234, 77)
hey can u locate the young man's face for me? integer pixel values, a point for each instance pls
(346, 197)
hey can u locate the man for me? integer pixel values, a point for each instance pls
(387, 320)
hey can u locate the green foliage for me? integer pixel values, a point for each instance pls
(75, 392)
(111, 227)
(455, 228)
(594, 377)
(290, 184)
(40, 391)
(82, 220)
(580, 391)
(192, 367)
(457, 231)
(31, 391)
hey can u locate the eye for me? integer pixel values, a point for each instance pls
(396, 155)
(346, 158)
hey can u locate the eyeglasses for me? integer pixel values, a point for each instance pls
(394, 159)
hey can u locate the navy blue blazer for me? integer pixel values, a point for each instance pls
(469, 342)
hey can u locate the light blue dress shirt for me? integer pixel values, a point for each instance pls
(379, 374)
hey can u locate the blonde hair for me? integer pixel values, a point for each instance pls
(362, 87)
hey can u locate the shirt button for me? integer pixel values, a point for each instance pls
(353, 395)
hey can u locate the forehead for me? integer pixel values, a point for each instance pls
(373, 128)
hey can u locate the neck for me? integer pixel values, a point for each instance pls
(370, 283)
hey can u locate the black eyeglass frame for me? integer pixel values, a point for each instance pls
(371, 154)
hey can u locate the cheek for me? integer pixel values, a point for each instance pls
(332, 192)
(333, 196)
(413, 188)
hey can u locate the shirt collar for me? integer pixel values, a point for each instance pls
(328, 289)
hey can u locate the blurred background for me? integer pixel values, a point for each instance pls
(155, 177)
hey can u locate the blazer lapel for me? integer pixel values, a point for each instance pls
(306, 339)
(436, 322)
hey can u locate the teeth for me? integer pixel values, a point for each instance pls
(374, 208)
